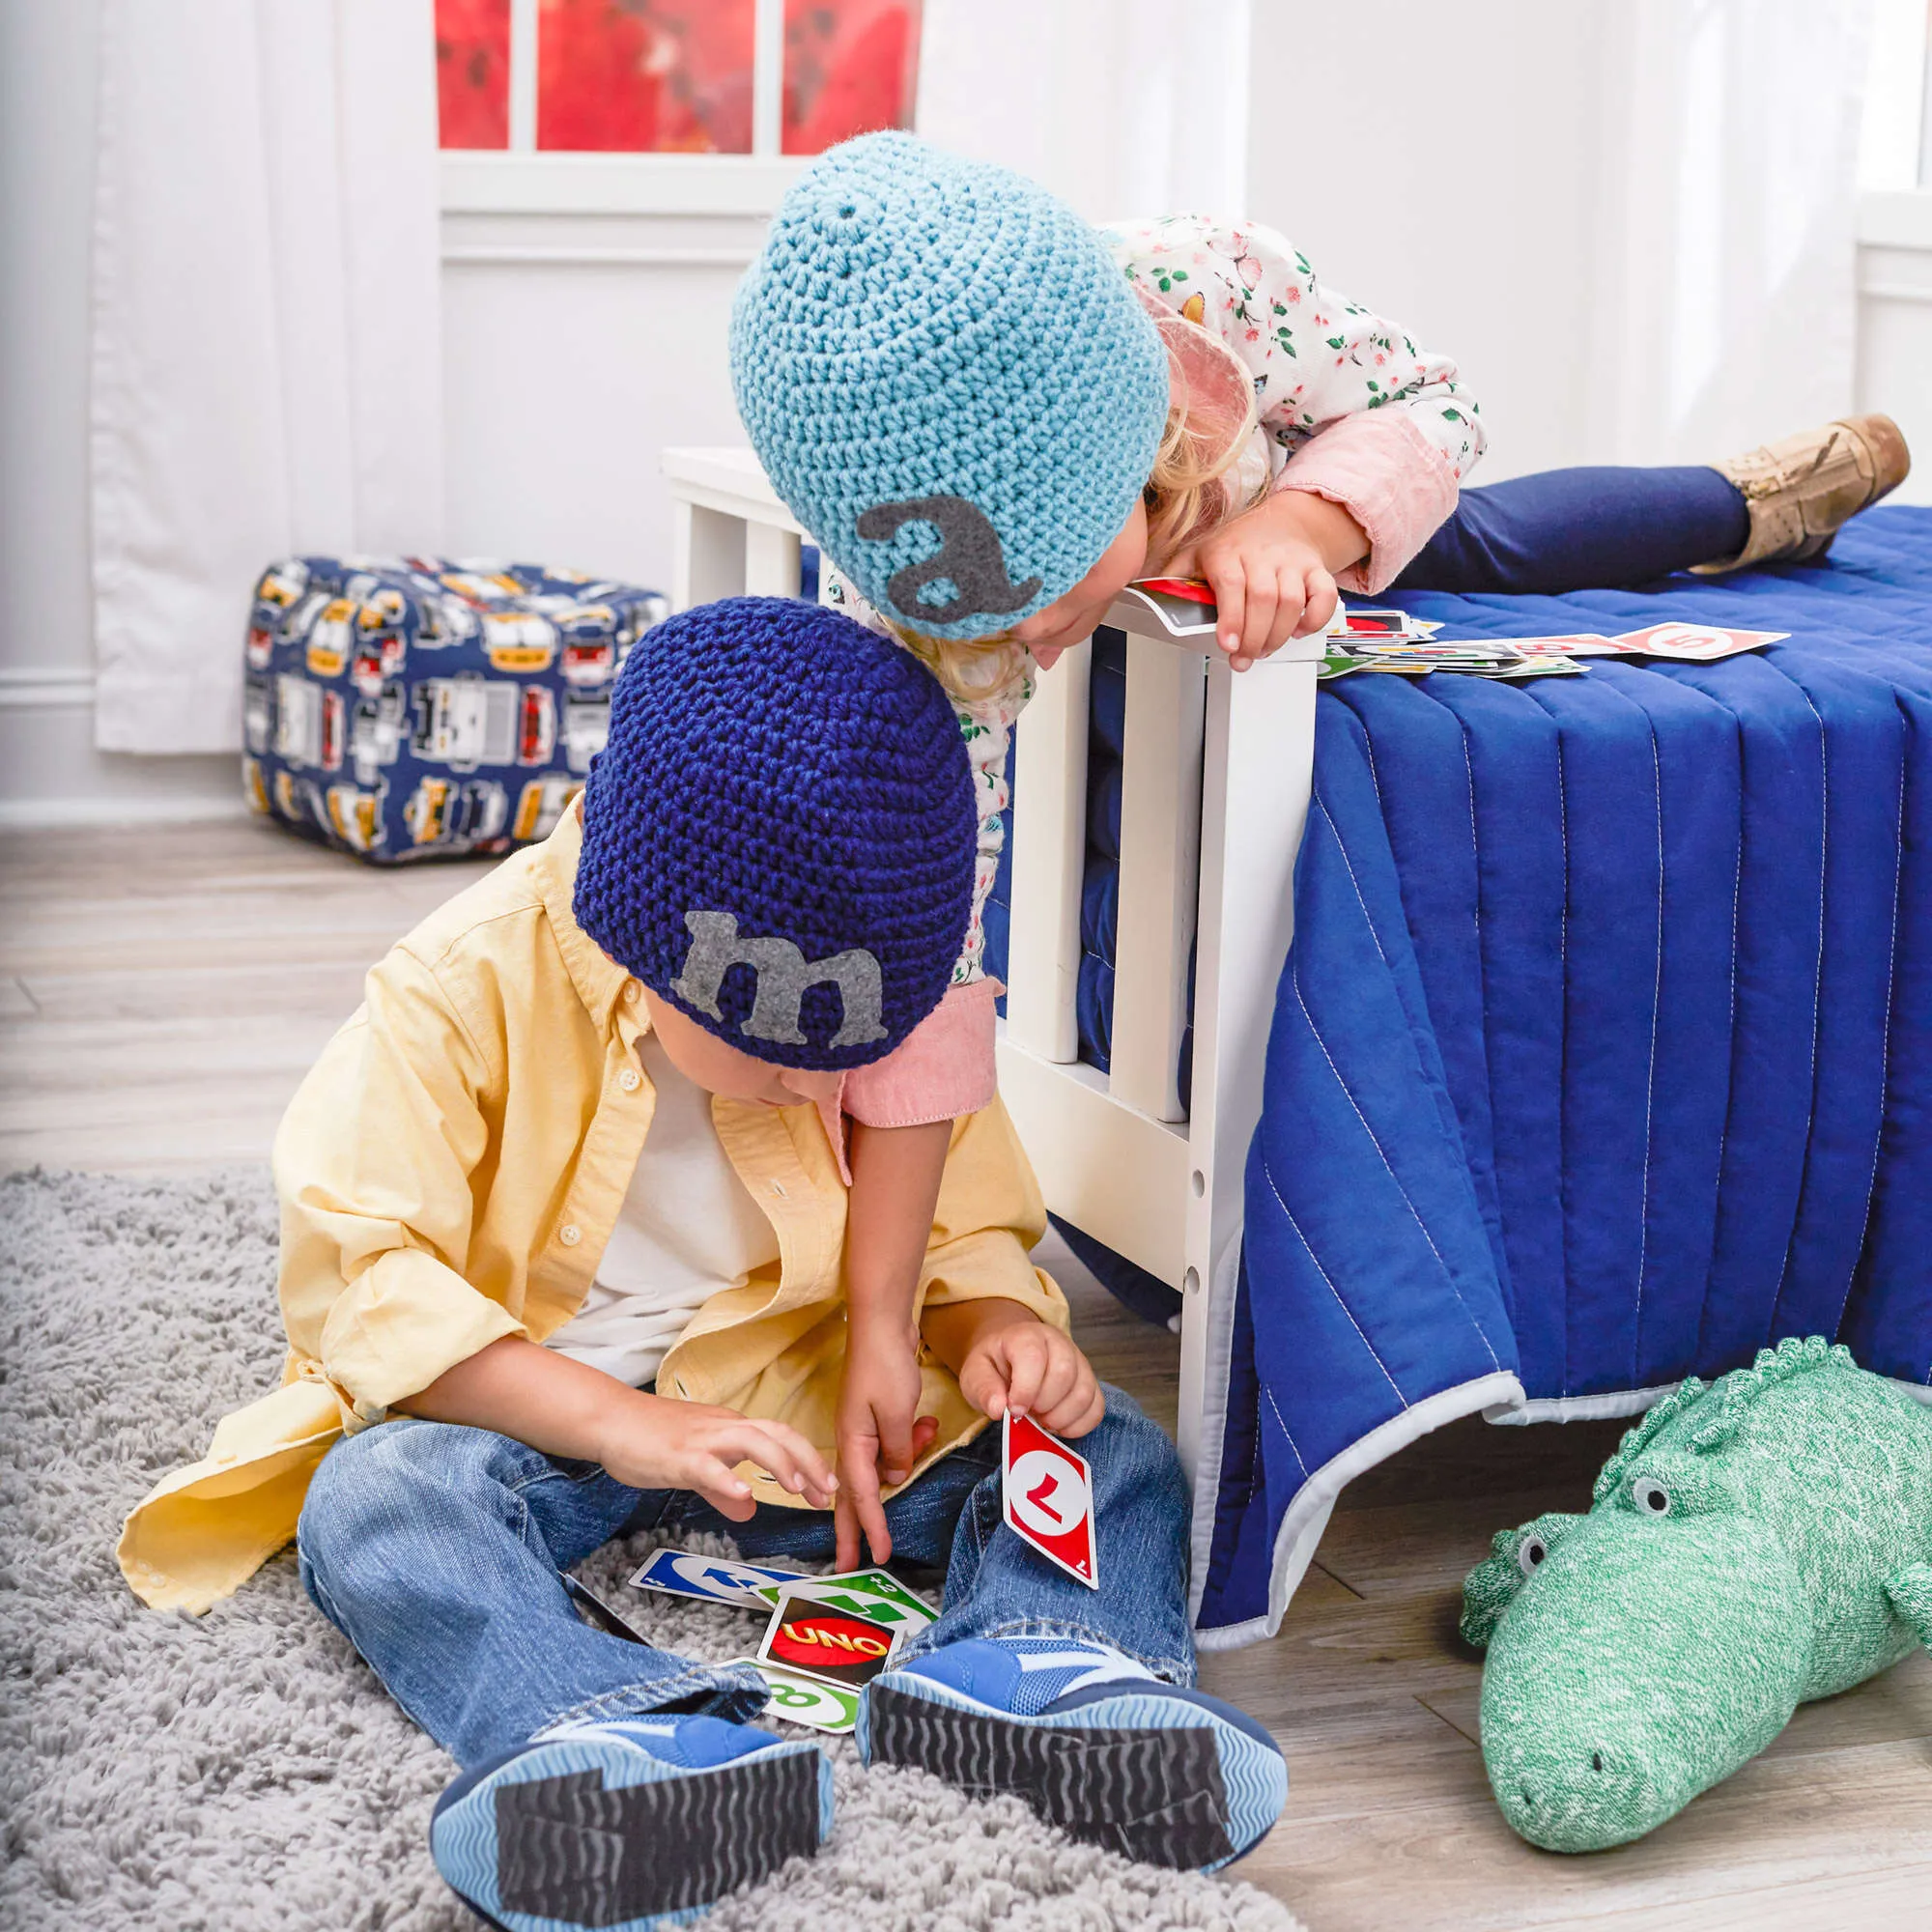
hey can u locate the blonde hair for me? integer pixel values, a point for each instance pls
(1185, 497)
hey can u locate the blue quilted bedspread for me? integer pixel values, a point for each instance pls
(1604, 1053)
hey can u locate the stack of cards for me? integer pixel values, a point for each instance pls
(826, 1638)
(1362, 638)
(1416, 655)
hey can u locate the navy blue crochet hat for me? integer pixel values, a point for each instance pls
(949, 380)
(779, 836)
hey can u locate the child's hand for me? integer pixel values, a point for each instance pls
(1273, 571)
(1033, 1369)
(656, 1443)
(878, 1436)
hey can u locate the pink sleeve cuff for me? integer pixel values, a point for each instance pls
(1388, 476)
(942, 1069)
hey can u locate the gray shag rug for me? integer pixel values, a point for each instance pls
(244, 1770)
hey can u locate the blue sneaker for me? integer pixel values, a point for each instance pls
(1089, 1740)
(635, 1822)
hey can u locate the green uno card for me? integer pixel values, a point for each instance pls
(865, 1593)
(880, 1584)
(798, 1700)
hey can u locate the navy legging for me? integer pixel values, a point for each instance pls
(1582, 529)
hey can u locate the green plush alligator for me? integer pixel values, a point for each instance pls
(1753, 1544)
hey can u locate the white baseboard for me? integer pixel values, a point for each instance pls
(52, 776)
(58, 813)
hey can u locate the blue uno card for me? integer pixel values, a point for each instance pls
(711, 1579)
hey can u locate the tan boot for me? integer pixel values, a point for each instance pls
(1800, 491)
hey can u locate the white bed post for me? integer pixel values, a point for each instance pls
(1161, 837)
(1260, 757)
(707, 555)
(730, 533)
(1050, 790)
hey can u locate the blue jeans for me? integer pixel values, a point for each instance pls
(1582, 530)
(438, 1551)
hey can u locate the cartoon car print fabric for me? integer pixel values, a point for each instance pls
(413, 708)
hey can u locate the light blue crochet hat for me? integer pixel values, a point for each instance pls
(949, 380)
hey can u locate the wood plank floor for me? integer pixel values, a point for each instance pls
(160, 994)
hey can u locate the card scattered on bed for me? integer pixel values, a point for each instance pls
(1418, 652)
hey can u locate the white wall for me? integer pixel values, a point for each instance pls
(1439, 164)
(576, 348)
(1895, 324)
(1632, 224)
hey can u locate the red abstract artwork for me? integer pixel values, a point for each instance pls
(675, 76)
(851, 67)
(473, 73)
(645, 76)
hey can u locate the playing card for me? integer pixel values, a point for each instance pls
(1180, 616)
(593, 1606)
(1583, 644)
(885, 1584)
(1432, 649)
(1360, 621)
(1697, 643)
(858, 1593)
(713, 1579)
(1189, 590)
(1049, 1495)
(799, 1700)
(1529, 667)
(810, 1638)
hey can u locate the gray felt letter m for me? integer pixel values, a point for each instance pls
(783, 973)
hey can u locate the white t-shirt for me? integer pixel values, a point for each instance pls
(688, 1228)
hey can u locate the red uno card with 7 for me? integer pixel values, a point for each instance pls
(1050, 1499)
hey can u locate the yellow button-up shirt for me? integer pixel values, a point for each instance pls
(449, 1173)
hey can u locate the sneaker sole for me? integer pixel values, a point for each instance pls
(585, 1831)
(1163, 1775)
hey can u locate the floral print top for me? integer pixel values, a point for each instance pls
(1314, 356)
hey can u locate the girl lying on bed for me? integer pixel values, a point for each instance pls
(991, 417)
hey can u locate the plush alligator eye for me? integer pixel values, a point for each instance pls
(1531, 1551)
(1651, 1496)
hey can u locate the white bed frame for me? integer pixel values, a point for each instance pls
(1215, 794)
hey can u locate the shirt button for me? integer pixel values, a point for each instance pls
(630, 1080)
(570, 1234)
(630, 992)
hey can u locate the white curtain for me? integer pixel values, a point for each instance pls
(265, 329)
(1121, 106)
(1726, 287)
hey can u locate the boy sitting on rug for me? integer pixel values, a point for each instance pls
(564, 1252)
